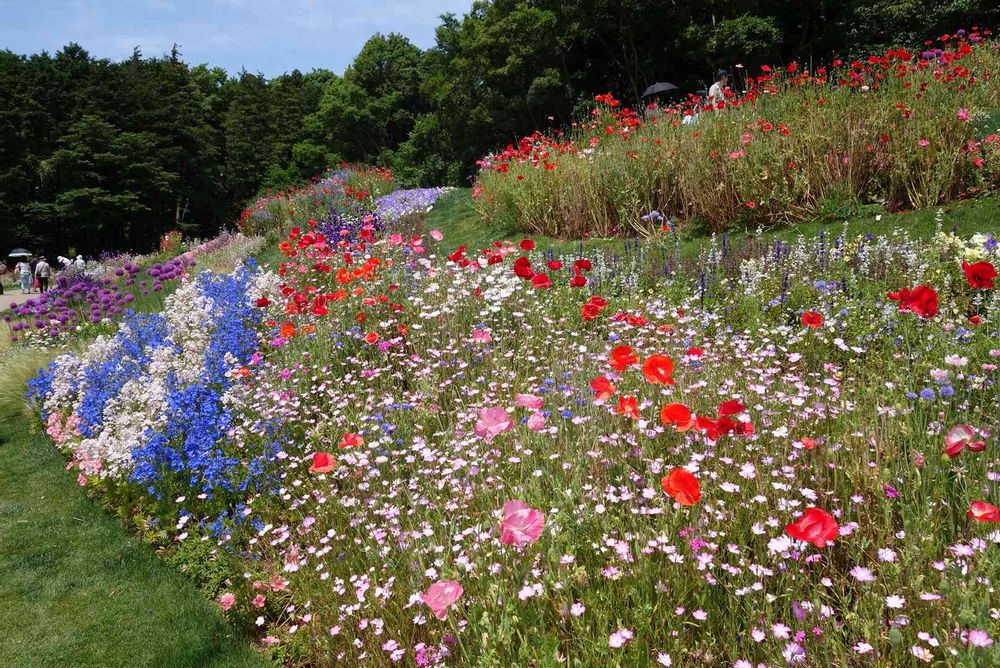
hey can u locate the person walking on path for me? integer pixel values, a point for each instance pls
(24, 275)
(3, 275)
(43, 271)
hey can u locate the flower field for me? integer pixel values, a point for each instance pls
(390, 449)
(901, 129)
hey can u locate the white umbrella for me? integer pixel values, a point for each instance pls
(19, 252)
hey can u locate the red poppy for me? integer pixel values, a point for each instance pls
(628, 407)
(678, 415)
(323, 462)
(287, 331)
(603, 387)
(808, 443)
(976, 320)
(812, 319)
(371, 338)
(983, 512)
(622, 357)
(554, 265)
(980, 275)
(590, 311)
(522, 268)
(527, 244)
(583, 264)
(658, 369)
(695, 352)
(263, 302)
(539, 281)
(731, 407)
(922, 300)
(682, 486)
(578, 281)
(351, 440)
(815, 526)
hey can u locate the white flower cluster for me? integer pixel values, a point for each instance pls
(141, 404)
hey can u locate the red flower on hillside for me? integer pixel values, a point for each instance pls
(527, 244)
(603, 387)
(815, 526)
(629, 407)
(658, 370)
(812, 319)
(682, 486)
(622, 357)
(922, 300)
(678, 415)
(980, 275)
(323, 462)
(983, 512)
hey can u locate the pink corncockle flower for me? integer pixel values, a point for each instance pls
(258, 601)
(978, 638)
(536, 421)
(481, 336)
(923, 143)
(529, 401)
(895, 602)
(442, 595)
(521, 523)
(577, 609)
(436, 235)
(492, 422)
(227, 600)
(862, 574)
(619, 638)
(962, 114)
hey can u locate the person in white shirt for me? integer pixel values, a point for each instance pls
(79, 263)
(42, 272)
(717, 93)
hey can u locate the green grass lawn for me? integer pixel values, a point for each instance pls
(76, 590)
(455, 215)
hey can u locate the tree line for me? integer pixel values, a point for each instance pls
(101, 155)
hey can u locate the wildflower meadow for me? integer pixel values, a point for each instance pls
(371, 444)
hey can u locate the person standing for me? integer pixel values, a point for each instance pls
(79, 264)
(42, 272)
(717, 92)
(24, 275)
(3, 274)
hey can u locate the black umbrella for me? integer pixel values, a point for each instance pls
(19, 252)
(662, 87)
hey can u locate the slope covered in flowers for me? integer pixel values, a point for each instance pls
(903, 129)
(389, 448)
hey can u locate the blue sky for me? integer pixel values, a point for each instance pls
(268, 36)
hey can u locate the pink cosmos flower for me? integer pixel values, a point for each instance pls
(529, 401)
(492, 422)
(521, 523)
(536, 422)
(227, 600)
(442, 595)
